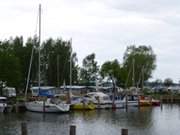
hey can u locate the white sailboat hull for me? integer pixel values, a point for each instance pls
(37, 106)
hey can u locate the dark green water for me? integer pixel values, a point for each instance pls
(146, 121)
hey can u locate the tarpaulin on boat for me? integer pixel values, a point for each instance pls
(45, 92)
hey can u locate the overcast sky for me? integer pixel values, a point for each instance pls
(105, 27)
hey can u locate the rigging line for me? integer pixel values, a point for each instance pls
(29, 72)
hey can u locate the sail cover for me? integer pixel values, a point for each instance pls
(45, 92)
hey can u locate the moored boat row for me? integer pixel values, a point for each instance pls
(89, 101)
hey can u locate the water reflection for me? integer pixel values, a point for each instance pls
(143, 121)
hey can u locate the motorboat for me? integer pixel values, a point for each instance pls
(120, 101)
(104, 101)
(100, 99)
(3, 103)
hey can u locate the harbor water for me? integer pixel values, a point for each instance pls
(143, 121)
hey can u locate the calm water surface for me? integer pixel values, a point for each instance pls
(144, 121)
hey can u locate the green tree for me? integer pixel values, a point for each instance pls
(112, 68)
(89, 69)
(168, 82)
(9, 65)
(15, 60)
(56, 62)
(140, 59)
(31, 43)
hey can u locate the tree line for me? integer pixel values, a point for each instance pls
(56, 54)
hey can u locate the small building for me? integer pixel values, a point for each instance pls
(9, 92)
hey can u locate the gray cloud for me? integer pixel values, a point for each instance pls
(105, 27)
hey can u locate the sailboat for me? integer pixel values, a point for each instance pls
(48, 104)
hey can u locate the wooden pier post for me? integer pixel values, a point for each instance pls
(72, 130)
(138, 102)
(161, 102)
(172, 98)
(99, 106)
(126, 102)
(17, 107)
(161, 99)
(24, 129)
(44, 106)
(124, 131)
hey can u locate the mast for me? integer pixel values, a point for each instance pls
(70, 72)
(32, 53)
(39, 59)
(70, 81)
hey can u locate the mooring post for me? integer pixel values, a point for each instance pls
(24, 129)
(124, 131)
(126, 102)
(17, 106)
(99, 106)
(139, 101)
(168, 99)
(161, 102)
(44, 106)
(72, 130)
(172, 98)
(161, 99)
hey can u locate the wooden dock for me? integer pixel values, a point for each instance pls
(170, 99)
